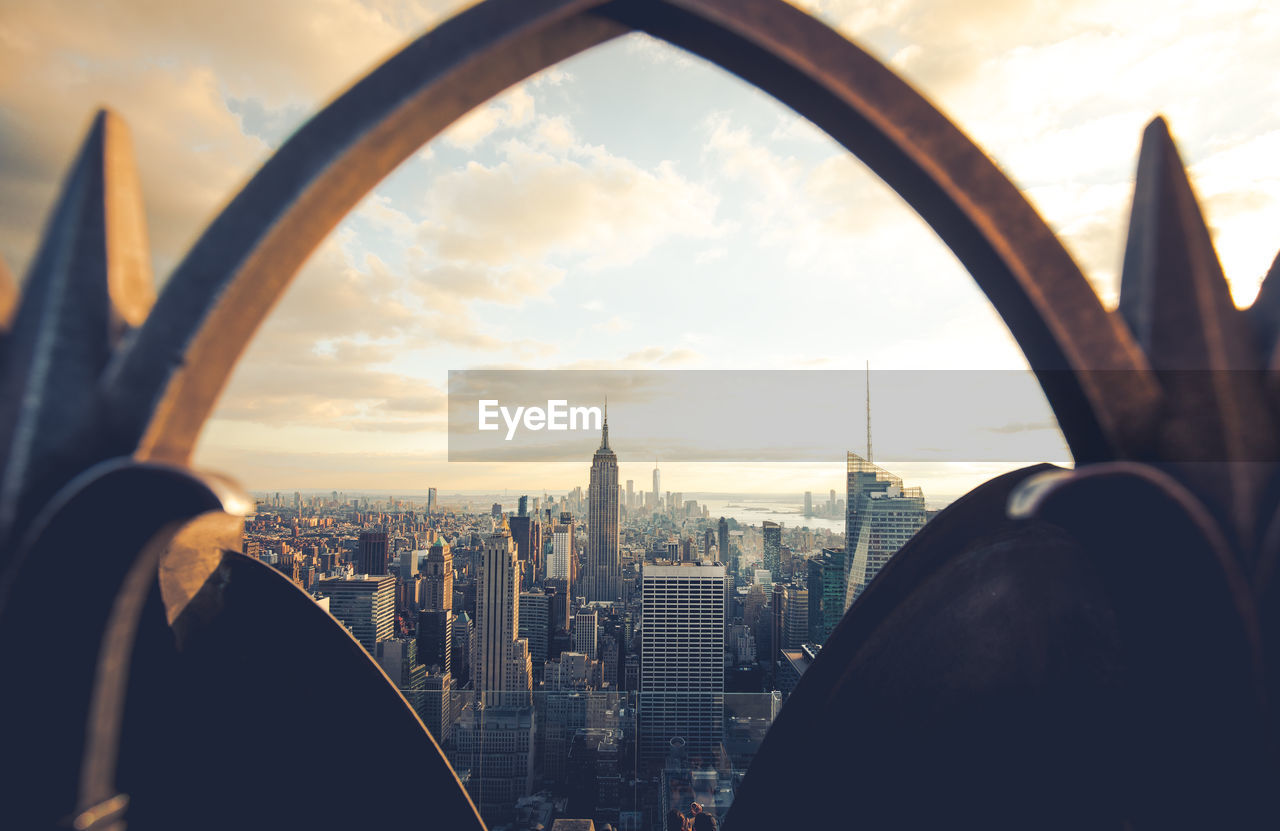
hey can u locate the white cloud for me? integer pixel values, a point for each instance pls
(587, 203)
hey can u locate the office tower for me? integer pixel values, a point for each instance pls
(372, 558)
(495, 510)
(437, 704)
(432, 503)
(464, 648)
(631, 496)
(772, 533)
(522, 506)
(808, 503)
(708, 541)
(365, 604)
(297, 502)
(496, 668)
(535, 614)
(557, 592)
(795, 626)
(726, 556)
(827, 583)
(559, 565)
(777, 620)
(682, 660)
(438, 578)
(880, 516)
(435, 638)
(603, 566)
(585, 631)
(409, 563)
(398, 658)
(521, 528)
(657, 478)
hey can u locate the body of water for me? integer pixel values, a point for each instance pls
(749, 510)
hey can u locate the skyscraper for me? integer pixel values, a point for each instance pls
(603, 565)
(586, 630)
(535, 614)
(365, 604)
(438, 578)
(631, 497)
(432, 502)
(682, 659)
(880, 516)
(558, 564)
(722, 542)
(501, 667)
(657, 480)
(372, 557)
(772, 533)
(808, 503)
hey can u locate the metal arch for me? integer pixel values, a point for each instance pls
(163, 385)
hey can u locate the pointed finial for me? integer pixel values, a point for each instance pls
(604, 430)
(89, 283)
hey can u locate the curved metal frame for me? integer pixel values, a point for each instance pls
(162, 386)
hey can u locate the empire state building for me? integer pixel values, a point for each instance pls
(603, 564)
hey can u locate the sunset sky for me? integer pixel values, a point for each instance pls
(634, 207)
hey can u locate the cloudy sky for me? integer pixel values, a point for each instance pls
(633, 207)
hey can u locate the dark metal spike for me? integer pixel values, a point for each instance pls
(1173, 293)
(89, 282)
(1176, 301)
(1265, 311)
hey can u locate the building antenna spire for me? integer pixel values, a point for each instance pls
(869, 460)
(604, 431)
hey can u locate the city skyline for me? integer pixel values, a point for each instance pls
(666, 210)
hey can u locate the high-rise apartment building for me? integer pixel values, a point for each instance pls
(880, 516)
(501, 668)
(365, 604)
(603, 566)
(682, 660)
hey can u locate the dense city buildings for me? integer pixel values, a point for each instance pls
(584, 650)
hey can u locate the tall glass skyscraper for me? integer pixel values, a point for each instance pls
(880, 516)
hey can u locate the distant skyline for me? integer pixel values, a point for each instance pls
(632, 207)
